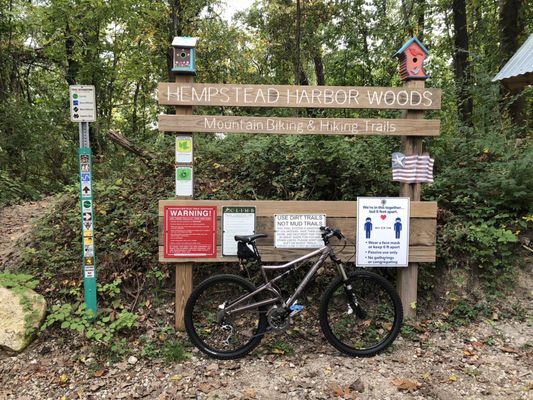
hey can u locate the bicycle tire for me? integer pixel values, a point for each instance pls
(357, 335)
(201, 307)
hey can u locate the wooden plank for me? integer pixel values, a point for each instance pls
(271, 254)
(299, 126)
(422, 230)
(419, 209)
(231, 95)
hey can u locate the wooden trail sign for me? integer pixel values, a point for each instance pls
(301, 126)
(413, 97)
(339, 214)
(210, 94)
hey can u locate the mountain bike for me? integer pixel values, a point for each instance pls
(226, 316)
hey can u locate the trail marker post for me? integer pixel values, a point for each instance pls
(83, 110)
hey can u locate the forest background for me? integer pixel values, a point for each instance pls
(483, 180)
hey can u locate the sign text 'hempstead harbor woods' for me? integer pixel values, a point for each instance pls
(198, 94)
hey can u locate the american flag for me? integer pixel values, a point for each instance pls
(412, 169)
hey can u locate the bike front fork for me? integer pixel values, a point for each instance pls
(350, 295)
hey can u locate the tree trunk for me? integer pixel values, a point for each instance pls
(117, 138)
(461, 63)
(511, 29)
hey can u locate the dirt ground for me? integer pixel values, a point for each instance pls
(486, 360)
(489, 359)
(15, 224)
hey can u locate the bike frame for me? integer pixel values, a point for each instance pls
(325, 252)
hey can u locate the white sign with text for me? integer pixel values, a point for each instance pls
(236, 220)
(382, 232)
(298, 231)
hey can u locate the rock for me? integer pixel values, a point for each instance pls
(22, 313)
(358, 386)
(132, 360)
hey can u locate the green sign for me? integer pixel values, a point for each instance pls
(184, 174)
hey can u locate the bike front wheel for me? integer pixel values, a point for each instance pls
(214, 332)
(361, 317)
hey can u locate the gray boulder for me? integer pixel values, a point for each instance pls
(22, 312)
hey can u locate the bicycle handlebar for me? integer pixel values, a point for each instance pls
(328, 233)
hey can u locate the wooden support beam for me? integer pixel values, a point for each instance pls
(407, 279)
(183, 270)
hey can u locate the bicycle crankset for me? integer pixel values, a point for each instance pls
(278, 318)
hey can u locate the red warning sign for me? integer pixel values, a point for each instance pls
(190, 232)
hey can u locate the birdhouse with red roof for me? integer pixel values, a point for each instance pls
(412, 56)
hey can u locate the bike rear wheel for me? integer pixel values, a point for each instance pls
(374, 323)
(216, 334)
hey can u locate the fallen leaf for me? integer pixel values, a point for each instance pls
(250, 392)
(342, 392)
(406, 384)
(99, 373)
(426, 376)
(175, 378)
(452, 378)
(477, 344)
(63, 378)
(508, 349)
(468, 353)
(204, 387)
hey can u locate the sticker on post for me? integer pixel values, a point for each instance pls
(382, 232)
(184, 149)
(88, 251)
(89, 271)
(184, 181)
(298, 231)
(236, 220)
(86, 190)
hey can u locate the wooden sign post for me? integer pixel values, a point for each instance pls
(411, 56)
(413, 97)
(184, 74)
(408, 277)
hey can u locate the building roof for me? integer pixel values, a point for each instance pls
(408, 43)
(519, 69)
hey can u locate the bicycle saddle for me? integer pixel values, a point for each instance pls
(250, 238)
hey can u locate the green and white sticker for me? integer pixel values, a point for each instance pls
(184, 149)
(184, 179)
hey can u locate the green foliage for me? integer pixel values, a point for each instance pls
(17, 281)
(103, 329)
(166, 347)
(466, 311)
(281, 348)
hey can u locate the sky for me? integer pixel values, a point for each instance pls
(232, 6)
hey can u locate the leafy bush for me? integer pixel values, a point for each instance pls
(81, 320)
